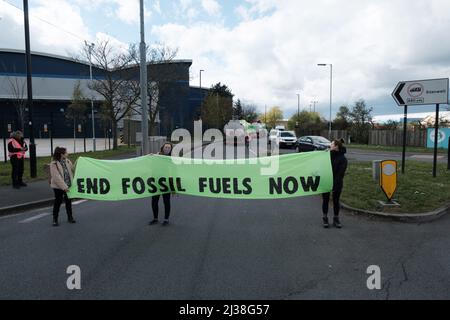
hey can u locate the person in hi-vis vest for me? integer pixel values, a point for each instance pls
(17, 149)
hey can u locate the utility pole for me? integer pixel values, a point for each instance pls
(331, 92)
(143, 70)
(90, 47)
(33, 164)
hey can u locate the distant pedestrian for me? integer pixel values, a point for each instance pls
(17, 149)
(166, 150)
(339, 165)
(61, 177)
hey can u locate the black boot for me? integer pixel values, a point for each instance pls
(71, 219)
(337, 223)
(326, 224)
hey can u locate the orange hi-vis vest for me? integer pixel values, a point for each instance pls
(16, 145)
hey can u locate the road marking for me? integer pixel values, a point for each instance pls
(35, 217)
(79, 202)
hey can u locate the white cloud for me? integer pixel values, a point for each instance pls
(212, 7)
(267, 59)
(64, 35)
(125, 10)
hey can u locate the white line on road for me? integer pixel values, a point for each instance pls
(35, 217)
(79, 202)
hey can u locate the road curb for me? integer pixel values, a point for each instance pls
(26, 206)
(403, 217)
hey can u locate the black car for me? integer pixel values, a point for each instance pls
(312, 143)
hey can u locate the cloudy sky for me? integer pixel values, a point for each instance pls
(266, 51)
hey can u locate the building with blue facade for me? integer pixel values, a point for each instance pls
(54, 78)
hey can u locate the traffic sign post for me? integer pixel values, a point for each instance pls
(436, 135)
(418, 93)
(405, 124)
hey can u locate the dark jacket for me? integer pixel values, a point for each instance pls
(14, 150)
(339, 164)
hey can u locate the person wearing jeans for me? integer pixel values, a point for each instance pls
(61, 172)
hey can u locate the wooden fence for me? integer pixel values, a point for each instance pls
(416, 138)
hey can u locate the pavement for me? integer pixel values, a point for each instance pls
(43, 146)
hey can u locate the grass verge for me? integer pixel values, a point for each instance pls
(5, 168)
(417, 191)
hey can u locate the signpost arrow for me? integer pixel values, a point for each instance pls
(396, 94)
(421, 92)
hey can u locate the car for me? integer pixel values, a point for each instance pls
(282, 138)
(312, 143)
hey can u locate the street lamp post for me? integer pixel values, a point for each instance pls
(201, 93)
(90, 47)
(143, 74)
(331, 91)
(314, 104)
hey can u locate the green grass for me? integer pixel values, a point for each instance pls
(5, 168)
(394, 148)
(417, 190)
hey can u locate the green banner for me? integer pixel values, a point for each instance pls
(287, 176)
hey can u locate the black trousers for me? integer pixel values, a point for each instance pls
(17, 170)
(155, 207)
(60, 195)
(336, 202)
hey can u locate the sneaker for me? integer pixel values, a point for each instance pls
(337, 223)
(55, 224)
(23, 184)
(326, 224)
(154, 221)
(72, 221)
(165, 223)
(16, 186)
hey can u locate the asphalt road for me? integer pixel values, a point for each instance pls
(220, 249)
(368, 155)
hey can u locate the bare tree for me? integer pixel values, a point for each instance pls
(160, 77)
(113, 81)
(17, 88)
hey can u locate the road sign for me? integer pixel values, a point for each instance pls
(421, 92)
(388, 178)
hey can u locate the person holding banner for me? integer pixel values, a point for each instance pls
(17, 149)
(166, 150)
(61, 177)
(339, 165)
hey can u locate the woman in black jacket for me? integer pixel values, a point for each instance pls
(339, 164)
(166, 150)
